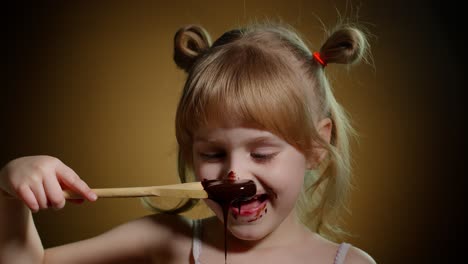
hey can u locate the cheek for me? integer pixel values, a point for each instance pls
(288, 175)
(215, 207)
(207, 171)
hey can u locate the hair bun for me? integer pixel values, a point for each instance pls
(189, 43)
(345, 45)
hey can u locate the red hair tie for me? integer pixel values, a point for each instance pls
(319, 59)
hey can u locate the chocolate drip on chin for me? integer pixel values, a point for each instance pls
(226, 193)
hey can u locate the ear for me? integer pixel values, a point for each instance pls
(324, 128)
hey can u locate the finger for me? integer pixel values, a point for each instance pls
(63, 186)
(74, 183)
(54, 193)
(40, 195)
(25, 193)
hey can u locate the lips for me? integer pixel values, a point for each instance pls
(251, 207)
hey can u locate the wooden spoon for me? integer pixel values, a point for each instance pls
(181, 190)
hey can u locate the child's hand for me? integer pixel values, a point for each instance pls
(39, 181)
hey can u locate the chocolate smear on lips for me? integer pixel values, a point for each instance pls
(228, 192)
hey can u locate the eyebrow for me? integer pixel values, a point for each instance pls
(262, 140)
(203, 139)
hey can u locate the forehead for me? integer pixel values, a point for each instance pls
(235, 136)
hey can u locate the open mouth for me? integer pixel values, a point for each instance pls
(251, 207)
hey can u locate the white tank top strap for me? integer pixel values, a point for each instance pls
(196, 241)
(341, 253)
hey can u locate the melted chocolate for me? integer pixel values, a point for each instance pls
(226, 193)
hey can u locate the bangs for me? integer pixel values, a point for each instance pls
(245, 86)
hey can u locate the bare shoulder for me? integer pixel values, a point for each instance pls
(159, 233)
(134, 241)
(328, 249)
(358, 256)
(169, 238)
(151, 230)
(163, 225)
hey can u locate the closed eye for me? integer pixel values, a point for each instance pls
(212, 156)
(263, 157)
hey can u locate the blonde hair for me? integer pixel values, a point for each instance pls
(264, 75)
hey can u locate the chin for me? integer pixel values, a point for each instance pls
(249, 232)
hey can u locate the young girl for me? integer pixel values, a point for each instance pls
(257, 103)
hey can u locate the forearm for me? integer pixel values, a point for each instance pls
(36, 182)
(19, 240)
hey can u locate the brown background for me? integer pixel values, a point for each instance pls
(94, 84)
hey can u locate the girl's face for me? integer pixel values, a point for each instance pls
(276, 167)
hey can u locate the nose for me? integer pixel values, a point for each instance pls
(235, 168)
(231, 176)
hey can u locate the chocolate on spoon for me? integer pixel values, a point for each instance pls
(227, 192)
